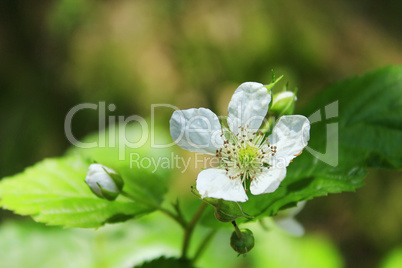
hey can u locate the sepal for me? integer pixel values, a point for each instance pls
(274, 81)
(108, 195)
(224, 211)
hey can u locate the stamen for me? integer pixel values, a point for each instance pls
(245, 155)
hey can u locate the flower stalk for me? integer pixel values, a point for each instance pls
(176, 217)
(237, 230)
(189, 230)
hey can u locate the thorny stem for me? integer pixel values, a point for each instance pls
(190, 228)
(204, 244)
(178, 218)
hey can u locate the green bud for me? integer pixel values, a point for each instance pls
(242, 243)
(283, 103)
(104, 182)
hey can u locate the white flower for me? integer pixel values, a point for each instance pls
(104, 181)
(243, 152)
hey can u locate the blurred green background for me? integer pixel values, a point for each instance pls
(57, 54)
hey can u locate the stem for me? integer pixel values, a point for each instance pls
(190, 228)
(175, 217)
(237, 230)
(204, 244)
(176, 207)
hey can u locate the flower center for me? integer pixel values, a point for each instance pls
(245, 155)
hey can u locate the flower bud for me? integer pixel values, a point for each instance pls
(244, 243)
(104, 181)
(283, 103)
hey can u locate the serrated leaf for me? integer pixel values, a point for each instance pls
(355, 124)
(54, 191)
(370, 134)
(137, 162)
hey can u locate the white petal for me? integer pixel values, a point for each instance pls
(97, 176)
(196, 130)
(99, 168)
(268, 181)
(290, 135)
(291, 226)
(248, 106)
(214, 183)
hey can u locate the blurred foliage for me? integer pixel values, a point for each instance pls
(393, 259)
(114, 247)
(56, 54)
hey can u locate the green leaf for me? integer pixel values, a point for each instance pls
(54, 191)
(368, 124)
(355, 124)
(166, 262)
(128, 150)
